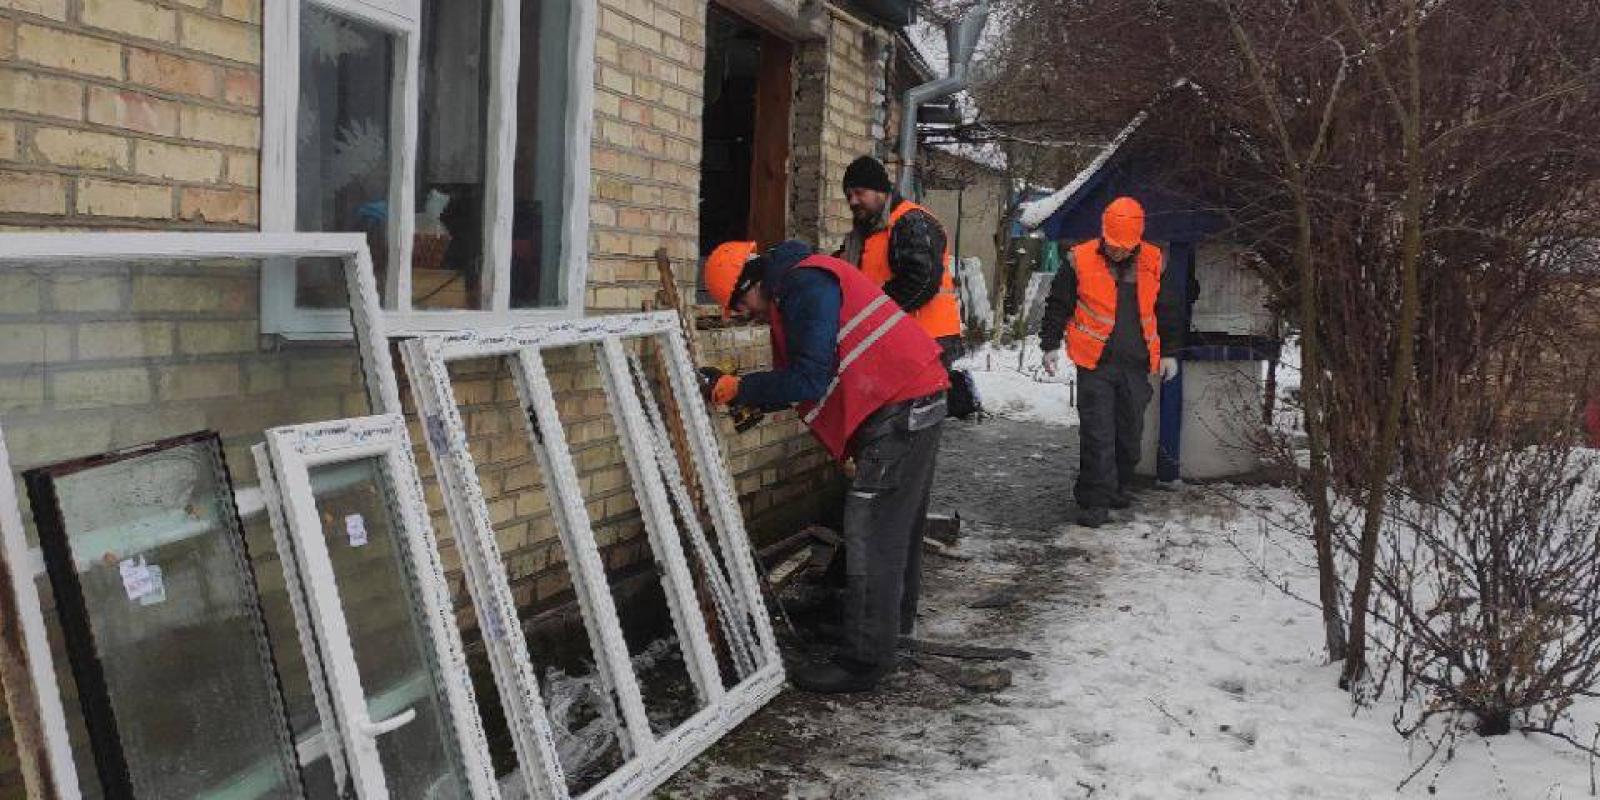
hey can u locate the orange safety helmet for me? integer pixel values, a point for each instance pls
(723, 268)
(1122, 225)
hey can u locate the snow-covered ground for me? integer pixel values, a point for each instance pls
(1169, 663)
(1013, 385)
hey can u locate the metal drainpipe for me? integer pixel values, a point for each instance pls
(961, 38)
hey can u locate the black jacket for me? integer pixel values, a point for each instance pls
(1063, 301)
(916, 255)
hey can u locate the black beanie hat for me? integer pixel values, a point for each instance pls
(867, 172)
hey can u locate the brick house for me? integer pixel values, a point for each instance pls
(504, 169)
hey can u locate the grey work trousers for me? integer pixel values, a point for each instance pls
(885, 512)
(1111, 405)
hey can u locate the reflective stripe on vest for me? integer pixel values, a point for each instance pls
(941, 316)
(1096, 308)
(849, 359)
(883, 357)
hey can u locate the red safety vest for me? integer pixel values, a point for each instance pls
(1096, 312)
(941, 316)
(883, 357)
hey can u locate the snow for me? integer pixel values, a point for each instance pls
(1167, 665)
(984, 154)
(1174, 656)
(1012, 384)
(975, 292)
(1192, 676)
(1034, 213)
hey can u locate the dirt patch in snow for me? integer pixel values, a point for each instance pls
(1009, 483)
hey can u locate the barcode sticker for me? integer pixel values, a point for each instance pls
(136, 579)
(355, 527)
(158, 588)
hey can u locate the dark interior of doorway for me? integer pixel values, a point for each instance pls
(745, 154)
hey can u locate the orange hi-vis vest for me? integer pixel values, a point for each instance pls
(1096, 312)
(941, 316)
(883, 358)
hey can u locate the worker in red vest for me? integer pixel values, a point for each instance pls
(1121, 323)
(868, 382)
(901, 247)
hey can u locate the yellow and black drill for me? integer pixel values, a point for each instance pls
(744, 417)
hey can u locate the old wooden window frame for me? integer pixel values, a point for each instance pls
(280, 105)
(27, 669)
(651, 760)
(292, 452)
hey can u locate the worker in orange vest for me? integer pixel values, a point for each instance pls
(868, 383)
(1121, 323)
(902, 248)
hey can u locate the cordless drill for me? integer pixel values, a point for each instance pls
(744, 417)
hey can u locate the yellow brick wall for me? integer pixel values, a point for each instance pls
(834, 108)
(129, 113)
(645, 160)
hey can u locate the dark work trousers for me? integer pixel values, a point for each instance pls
(1111, 404)
(884, 515)
(951, 350)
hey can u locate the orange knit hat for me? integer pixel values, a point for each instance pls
(1123, 223)
(723, 268)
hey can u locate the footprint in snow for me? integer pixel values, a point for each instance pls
(1233, 686)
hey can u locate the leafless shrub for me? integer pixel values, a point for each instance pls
(1493, 587)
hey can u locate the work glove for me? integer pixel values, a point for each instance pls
(718, 387)
(1169, 369)
(1052, 361)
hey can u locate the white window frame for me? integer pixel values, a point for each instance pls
(293, 451)
(47, 762)
(402, 18)
(650, 759)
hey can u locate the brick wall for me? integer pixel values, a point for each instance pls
(129, 113)
(645, 160)
(836, 100)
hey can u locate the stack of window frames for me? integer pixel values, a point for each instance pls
(114, 340)
(119, 337)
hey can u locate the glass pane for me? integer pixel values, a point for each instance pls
(394, 652)
(536, 275)
(170, 623)
(97, 357)
(278, 611)
(537, 570)
(447, 256)
(344, 175)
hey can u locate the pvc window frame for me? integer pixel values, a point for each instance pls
(46, 753)
(650, 760)
(292, 452)
(280, 105)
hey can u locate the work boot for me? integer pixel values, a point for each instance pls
(829, 633)
(1122, 500)
(836, 677)
(1094, 516)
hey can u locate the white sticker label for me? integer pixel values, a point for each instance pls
(158, 588)
(355, 527)
(136, 577)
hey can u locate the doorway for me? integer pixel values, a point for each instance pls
(744, 166)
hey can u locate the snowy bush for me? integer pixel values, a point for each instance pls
(1492, 589)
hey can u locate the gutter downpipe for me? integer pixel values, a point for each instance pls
(961, 39)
